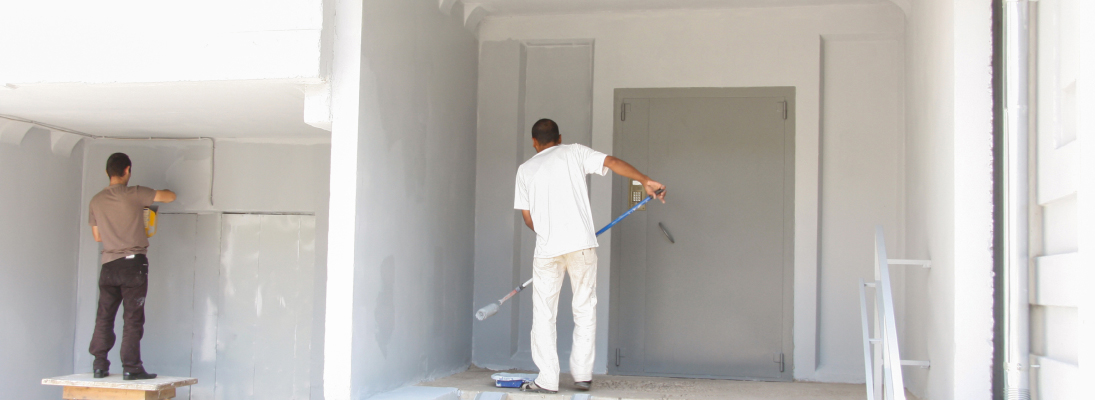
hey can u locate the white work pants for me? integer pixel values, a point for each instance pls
(547, 280)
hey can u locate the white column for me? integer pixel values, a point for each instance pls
(973, 207)
(345, 100)
(1085, 92)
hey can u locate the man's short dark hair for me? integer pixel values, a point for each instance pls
(116, 165)
(545, 131)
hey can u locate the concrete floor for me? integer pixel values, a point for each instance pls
(477, 380)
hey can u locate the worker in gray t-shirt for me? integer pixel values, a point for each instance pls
(116, 216)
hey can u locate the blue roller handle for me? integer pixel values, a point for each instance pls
(628, 212)
(492, 308)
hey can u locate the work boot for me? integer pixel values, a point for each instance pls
(101, 373)
(584, 385)
(132, 376)
(532, 387)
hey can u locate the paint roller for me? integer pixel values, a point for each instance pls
(492, 308)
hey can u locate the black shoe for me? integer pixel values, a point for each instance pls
(586, 385)
(101, 373)
(132, 376)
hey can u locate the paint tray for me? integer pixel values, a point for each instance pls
(511, 380)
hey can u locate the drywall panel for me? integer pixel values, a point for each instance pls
(414, 222)
(183, 166)
(169, 308)
(497, 226)
(521, 83)
(249, 173)
(241, 303)
(270, 177)
(231, 303)
(39, 210)
(206, 306)
(169, 314)
(264, 325)
(862, 186)
(556, 83)
(708, 48)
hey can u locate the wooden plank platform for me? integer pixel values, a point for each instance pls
(113, 387)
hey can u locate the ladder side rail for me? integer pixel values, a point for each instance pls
(892, 358)
(868, 366)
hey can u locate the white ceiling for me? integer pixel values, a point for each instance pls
(524, 7)
(220, 109)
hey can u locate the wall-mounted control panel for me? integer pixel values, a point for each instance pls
(637, 194)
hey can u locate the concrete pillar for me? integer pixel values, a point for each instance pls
(341, 252)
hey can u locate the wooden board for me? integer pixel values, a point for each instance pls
(115, 381)
(98, 393)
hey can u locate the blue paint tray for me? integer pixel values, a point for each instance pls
(511, 380)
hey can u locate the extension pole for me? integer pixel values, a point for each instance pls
(492, 308)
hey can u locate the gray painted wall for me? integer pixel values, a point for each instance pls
(412, 308)
(862, 175)
(38, 212)
(520, 83)
(250, 177)
(733, 47)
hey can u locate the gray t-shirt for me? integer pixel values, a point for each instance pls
(118, 211)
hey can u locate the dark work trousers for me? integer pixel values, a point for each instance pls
(121, 282)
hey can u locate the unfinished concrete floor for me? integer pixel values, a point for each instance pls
(477, 380)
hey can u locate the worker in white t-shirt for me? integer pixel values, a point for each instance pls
(552, 195)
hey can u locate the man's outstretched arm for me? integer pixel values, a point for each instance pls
(622, 168)
(164, 196)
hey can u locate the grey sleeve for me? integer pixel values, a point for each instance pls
(145, 196)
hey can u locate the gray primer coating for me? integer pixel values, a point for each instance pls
(416, 173)
(186, 258)
(38, 212)
(520, 83)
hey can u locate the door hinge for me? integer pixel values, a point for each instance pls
(623, 111)
(779, 360)
(618, 356)
(784, 105)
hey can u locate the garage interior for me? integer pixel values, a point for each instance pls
(345, 173)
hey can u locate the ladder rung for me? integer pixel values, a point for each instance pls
(898, 261)
(916, 363)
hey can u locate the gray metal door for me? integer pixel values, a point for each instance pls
(703, 282)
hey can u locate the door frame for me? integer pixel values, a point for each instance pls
(620, 204)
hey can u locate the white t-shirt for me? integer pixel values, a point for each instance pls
(552, 186)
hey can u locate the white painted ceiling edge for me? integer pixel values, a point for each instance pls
(267, 108)
(476, 10)
(60, 143)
